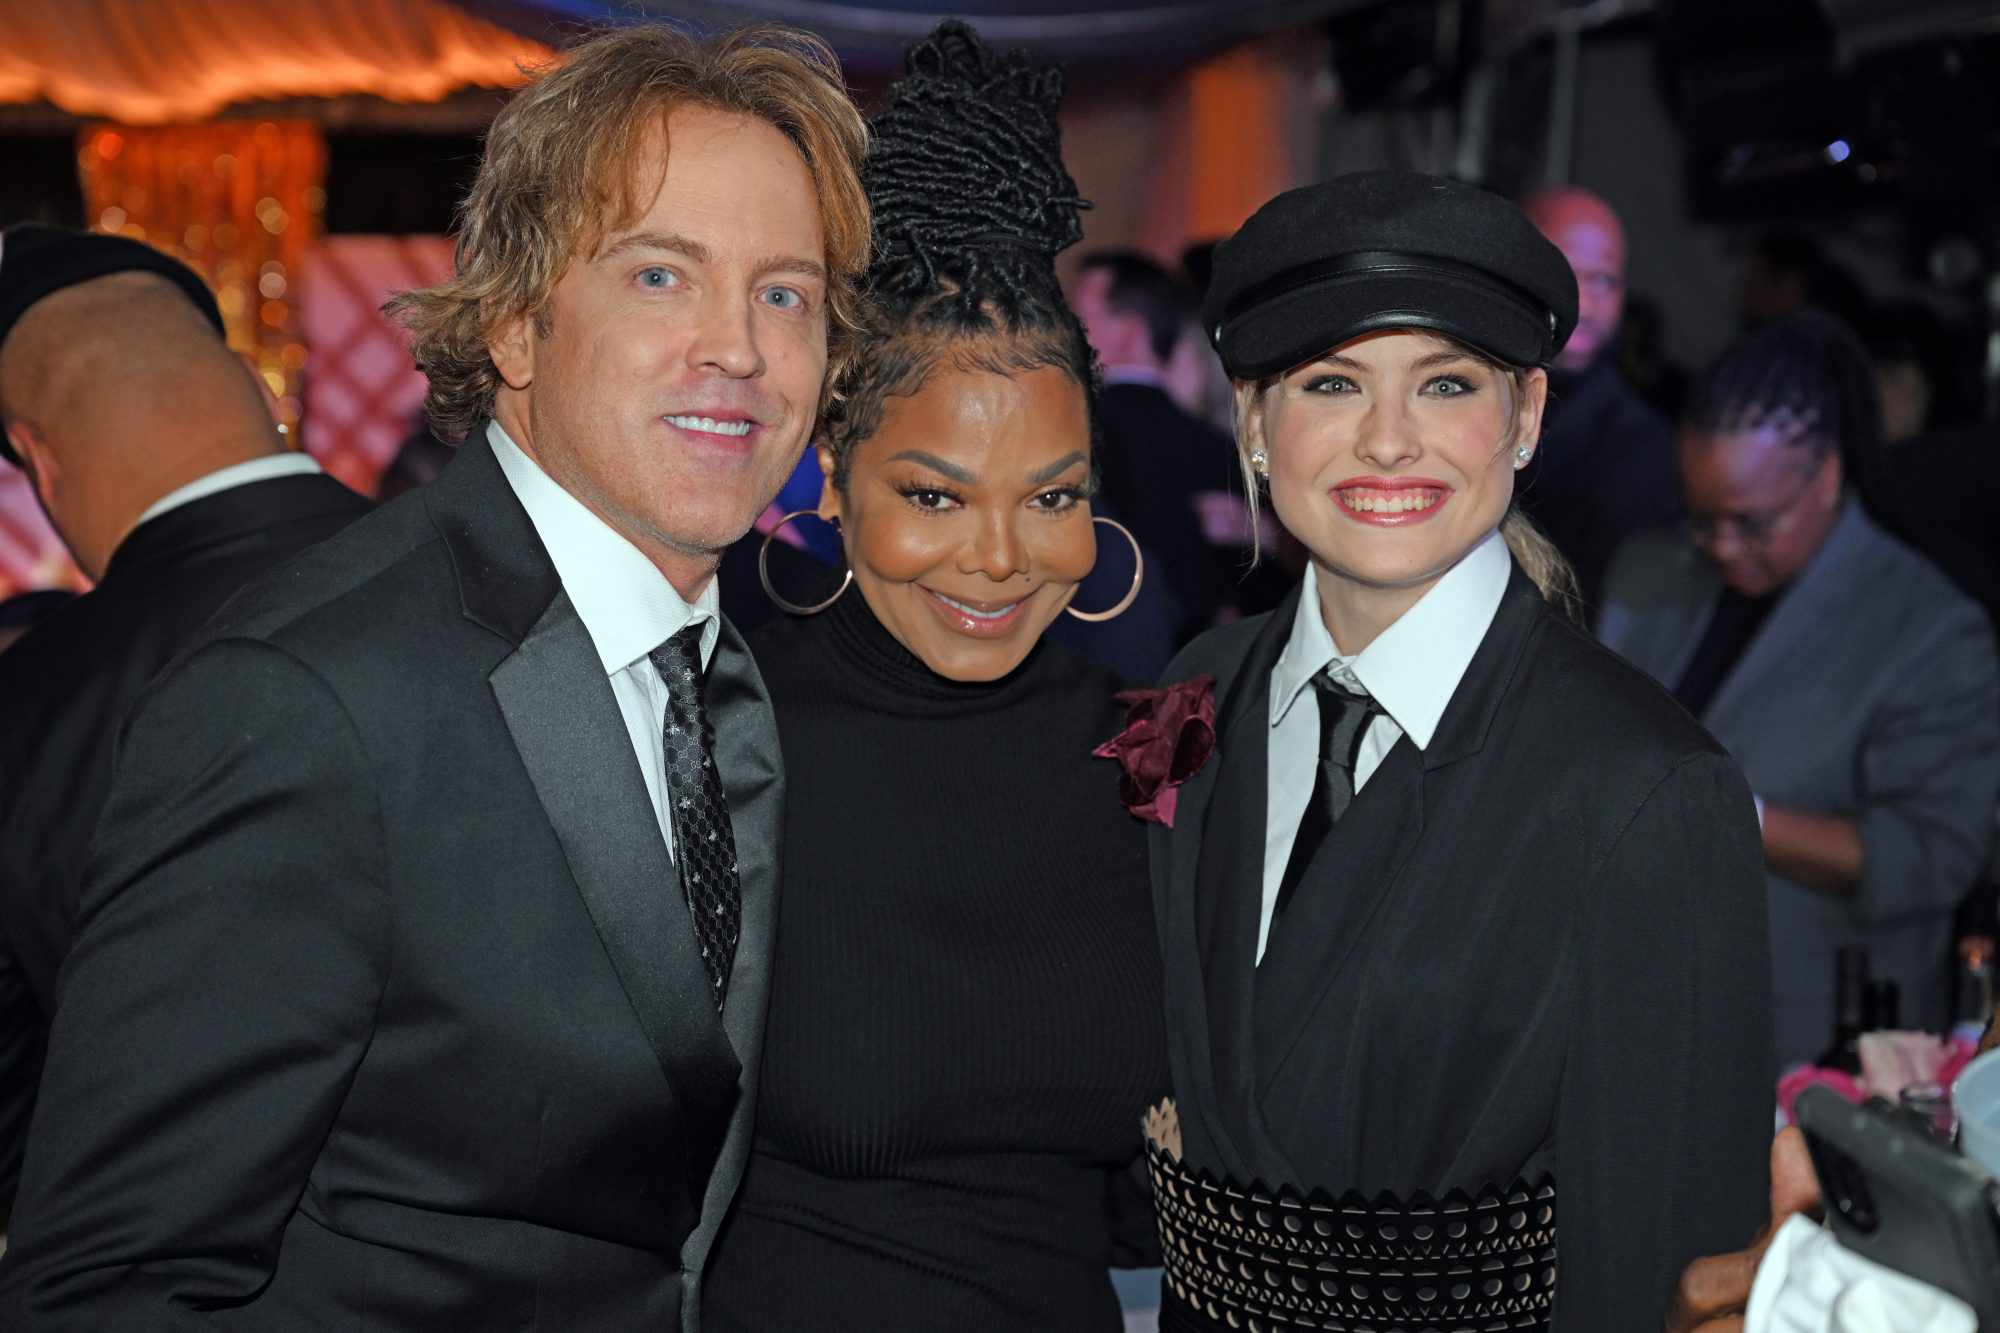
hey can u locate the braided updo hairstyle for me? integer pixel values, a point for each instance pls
(1804, 377)
(971, 205)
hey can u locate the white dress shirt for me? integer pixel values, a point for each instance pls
(1412, 669)
(227, 478)
(625, 602)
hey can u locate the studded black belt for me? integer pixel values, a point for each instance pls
(1241, 1258)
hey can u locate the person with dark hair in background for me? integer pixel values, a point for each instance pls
(965, 1008)
(1855, 685)
(153, 450)
(1464, 963)
(1786, 272)
(1929, 432)
(1605, 468)
(1161, 464)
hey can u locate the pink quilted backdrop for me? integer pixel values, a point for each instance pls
(31, 556)
(362, 395)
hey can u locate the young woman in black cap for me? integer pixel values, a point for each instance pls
(1463, 923)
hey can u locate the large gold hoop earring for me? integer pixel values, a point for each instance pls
(764, 572)
(1138, 577)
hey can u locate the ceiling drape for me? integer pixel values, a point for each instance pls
(151, 61)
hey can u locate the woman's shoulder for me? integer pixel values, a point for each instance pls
(1586, 695)
(1218, 652)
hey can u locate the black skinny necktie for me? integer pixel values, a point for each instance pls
(704, 842)
(1343, 720)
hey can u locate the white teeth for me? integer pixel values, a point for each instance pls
(711, 425)
(974, 611)
(1387, 504)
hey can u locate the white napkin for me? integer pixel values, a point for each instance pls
(1808, 1283)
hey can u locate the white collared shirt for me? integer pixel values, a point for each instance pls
(228, 478)
(1412, 669)
(625, 603)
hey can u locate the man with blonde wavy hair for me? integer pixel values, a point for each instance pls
(420, 969)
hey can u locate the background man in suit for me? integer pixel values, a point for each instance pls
(420, 965)
(1857, 688)
(1159, 463)
(1606, 466)
(150, 445)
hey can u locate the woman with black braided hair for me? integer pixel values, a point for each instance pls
(965, 1007)
(1852, 682)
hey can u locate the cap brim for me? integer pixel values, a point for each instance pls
(1308, 321)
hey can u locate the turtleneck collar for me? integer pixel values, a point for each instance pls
(873, 655)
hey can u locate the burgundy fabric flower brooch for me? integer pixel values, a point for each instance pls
(1169, 734)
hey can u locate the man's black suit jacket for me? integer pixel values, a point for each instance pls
(384, 1009)
(65, 688)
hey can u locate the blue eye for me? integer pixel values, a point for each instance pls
(1450, 386)
(658, 278)
(784, 298)
(1329, 384)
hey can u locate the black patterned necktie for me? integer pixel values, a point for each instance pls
(1343, 720)
(704, 842)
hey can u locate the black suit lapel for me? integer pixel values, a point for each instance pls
(753, 776)
(1216, 859)
(566, 725)
(1344, 885)
(572, 739)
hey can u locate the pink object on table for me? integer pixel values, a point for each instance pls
(1890, 1062)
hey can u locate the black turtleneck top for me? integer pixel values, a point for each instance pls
(966, 1016)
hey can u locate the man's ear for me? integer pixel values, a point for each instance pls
(512, 347)
(829, 494)
(37, 460)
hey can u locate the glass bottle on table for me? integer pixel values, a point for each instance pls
(1850, 1016)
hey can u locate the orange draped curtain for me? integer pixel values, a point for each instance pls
(146, 62)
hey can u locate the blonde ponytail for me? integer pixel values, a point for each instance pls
(1542, 563)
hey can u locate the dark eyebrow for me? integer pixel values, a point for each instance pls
(1057, 468)
(936, 464)
(657, 240)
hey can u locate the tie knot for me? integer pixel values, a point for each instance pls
(1339, 692)
(1344, 715)
(679, 661)
(679, 657)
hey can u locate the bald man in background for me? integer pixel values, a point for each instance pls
(1606, 468)
(155, 454)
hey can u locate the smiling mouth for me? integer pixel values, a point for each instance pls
(978, 619)
(711, 426)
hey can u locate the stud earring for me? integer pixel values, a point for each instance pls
(1522, 455)
(1260, 462)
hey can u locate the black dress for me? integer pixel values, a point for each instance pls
(965, 1018)
(1524, 976)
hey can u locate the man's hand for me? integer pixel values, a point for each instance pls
(1714, 1292)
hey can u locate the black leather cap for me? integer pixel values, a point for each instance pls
(1375, 250)
(38, 261)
